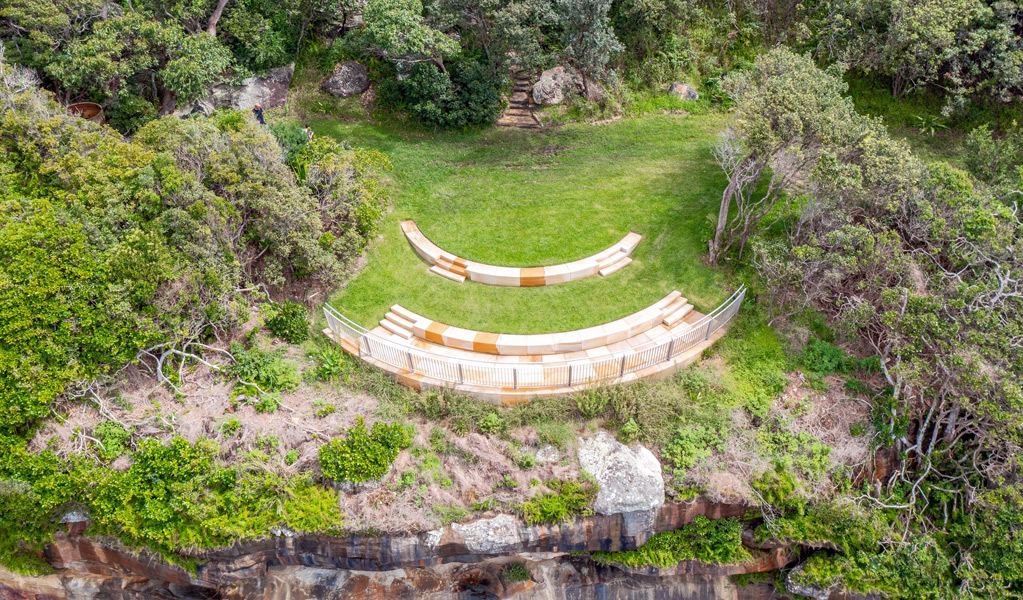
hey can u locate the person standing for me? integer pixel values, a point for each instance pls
(308, 133)
(258, 111)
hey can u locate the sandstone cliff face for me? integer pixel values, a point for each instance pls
(456, 562)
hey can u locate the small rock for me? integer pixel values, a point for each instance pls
(548, 454)
(350, 78)
(629, 480)
(683, 91)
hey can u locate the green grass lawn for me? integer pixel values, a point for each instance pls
(525, 198)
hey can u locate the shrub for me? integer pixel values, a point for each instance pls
(515, 572)
(324, 408)
(467, 95)
(291, 457)
(114, 438)
(292, 137)
(492, 423)
(691, 444)
(332, 364)
(130, 112)
(569, 499)
(364, 454)
(287, 320)
(265, 368)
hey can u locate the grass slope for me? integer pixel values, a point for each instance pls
(521, 198)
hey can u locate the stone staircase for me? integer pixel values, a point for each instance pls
(519, 112)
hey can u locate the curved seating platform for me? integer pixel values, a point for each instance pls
(510, 369)
(459, 269)
(666, 313)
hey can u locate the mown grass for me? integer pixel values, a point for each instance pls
(528, 198)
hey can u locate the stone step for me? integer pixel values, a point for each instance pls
(610, 260)
(674, 305)
(405, 313)
(396, 330)
(678, 315)
(436, 270)
(399, 320)
(615, 267)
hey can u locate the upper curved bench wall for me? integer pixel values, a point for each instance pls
(660, 316)
(458, 269)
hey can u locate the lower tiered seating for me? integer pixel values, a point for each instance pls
(643, 327)
(459, 269)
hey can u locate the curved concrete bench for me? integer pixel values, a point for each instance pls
(459, 269)
(669, 311)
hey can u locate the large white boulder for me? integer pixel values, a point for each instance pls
(629, 479)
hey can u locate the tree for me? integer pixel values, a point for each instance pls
(396, 31)
(789, 114)
(132, 48)
(587, 38)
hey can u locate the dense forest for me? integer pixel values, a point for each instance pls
(151, 241)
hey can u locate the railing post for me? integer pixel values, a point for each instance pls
(411, 367)
(671, 346)
(707, 336)
(569, 375)
(515, 378)
(461, 377)
(621, 372)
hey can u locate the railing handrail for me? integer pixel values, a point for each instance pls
(736, 297)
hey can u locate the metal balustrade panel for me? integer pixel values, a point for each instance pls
(532, 375)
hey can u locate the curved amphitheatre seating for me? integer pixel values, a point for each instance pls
(459, 269)
(507, 369)
(640, 327)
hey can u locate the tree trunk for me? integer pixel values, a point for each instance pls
(167, 102)
(211, 25)
(440, 64)
(719, 231)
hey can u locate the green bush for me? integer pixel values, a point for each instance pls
(292, 138)
(713, 541)
(265, 368)
(332, 364)
(364, 454)
(467, 95)
(691, 444)
(287, 320)
(129, 113)
(569, 499)
(114, 438)
(515, 572)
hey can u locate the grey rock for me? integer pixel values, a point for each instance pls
(548, 454)
(553, 84)
(502, 533)
(268, 92)
(683, 90)
(629, 480)
(349, 79)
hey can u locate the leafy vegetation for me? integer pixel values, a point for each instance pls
(364, 454)
(568, 500)
(713, 541)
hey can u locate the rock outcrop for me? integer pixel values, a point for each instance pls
(350, 78)
(458, 561)
(553, 85)
(268, 92)
(628, 480)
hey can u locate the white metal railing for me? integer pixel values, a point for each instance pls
(527, 375)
